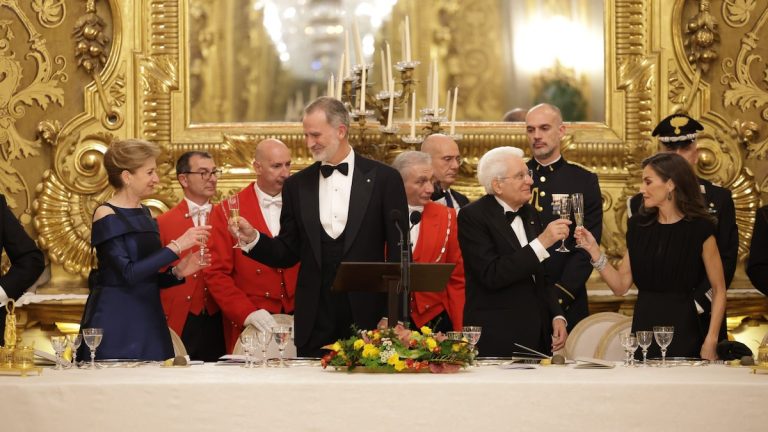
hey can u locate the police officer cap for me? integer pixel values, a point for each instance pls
(677, 130)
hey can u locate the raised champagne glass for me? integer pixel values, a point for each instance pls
(92, 338)
(564, 210)
(577, 201)
(233, 213)
(202, 220)
(663, 336)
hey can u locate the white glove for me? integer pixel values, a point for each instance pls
(261, 319)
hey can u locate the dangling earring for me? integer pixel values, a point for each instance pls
(669, 196)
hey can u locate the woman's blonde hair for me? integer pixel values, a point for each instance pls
(128, 154)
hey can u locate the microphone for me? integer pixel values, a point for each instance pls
(415, 218)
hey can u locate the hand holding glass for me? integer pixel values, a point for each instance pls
(233, 206)
(202, 220)
(577, 201)
(564, 210)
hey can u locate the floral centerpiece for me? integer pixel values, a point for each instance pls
(398, 349)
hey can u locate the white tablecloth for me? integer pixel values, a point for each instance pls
(488, 398)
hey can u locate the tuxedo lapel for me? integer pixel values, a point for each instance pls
(309, 197)
(498, 220)
(363, 179)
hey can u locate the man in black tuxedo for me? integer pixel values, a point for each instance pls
(555, 178)
(27, 262)
(677, 134)
(504, 245)
(338, 209)
(446, 160)
(757, 264)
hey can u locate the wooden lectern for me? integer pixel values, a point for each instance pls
(385, 277)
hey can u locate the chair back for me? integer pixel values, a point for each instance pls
(272, 351)
(610, 347)
(584, 339)
(179, 350)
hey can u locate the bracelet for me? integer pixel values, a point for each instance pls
(600, 263)
(178, 248)
(173, 272)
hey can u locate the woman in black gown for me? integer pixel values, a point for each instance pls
(125, 301)
(670, 246)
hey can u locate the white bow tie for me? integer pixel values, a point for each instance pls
(268, 201)
(193, 211)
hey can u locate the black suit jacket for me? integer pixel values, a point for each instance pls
(507, 289)
(719, 202)
(569, 271)
(27, 262)
(370, 236)
(457, 196)
(757, 265)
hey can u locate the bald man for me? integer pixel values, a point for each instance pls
(446, 160)
(248, 291)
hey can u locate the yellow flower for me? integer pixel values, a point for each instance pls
(400, 365)
(336, 346)
(393, 359)
(359, 344)
(376, 336)
(415, 334)
(426, 331)
(456, 347)
(431, 343)
(370, 351)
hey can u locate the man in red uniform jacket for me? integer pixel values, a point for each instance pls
(247, 290)
(189, 308)
(435, 240)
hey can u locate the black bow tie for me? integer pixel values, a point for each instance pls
(327, 170)
(511, 215)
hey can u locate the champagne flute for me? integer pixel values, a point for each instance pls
(92, 337)
(74, 341)
(564, 209)
(282, 334)
(577, 201)
(663, 336)
(233, 204)
(202, 220)
(59, 343)
(644, 339)
(472, 333)
(264, 338)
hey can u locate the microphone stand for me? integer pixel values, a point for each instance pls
(405, 265)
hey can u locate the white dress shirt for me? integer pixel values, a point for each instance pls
(270, 206)
(194, 211)
(334, 198)
(415, 228)
(519, 229)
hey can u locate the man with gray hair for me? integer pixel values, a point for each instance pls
(434, 240)
(504, 245)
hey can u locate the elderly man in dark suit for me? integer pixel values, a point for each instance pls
(446, 160)
(504, 245)
(677, 134)
(338, 209)
(27, 262)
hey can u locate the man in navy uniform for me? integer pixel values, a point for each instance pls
(555, 178)
(677, 134)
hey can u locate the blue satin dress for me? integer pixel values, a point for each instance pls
(126, 301)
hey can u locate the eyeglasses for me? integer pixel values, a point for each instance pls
(205, 175)
(519, 176)
(448, 159)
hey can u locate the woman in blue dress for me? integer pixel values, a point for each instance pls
(125, 300)
(670, 247)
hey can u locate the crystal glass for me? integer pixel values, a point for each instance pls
(92, 338)
(282, 335)
(564, 210)
(472, 333)
(233, 213)
(624, 339)
(632, 345)
(577, 201)
(59, 344)
(663, 336)
(247, 341)
(264, 338)
(644, 339)
(202, 220)
(74, 341)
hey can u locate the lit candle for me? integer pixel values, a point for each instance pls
(448, 102)
(358, 43)
(413, 115)
(402, 43)
(453, 111)
(362, 92)
(389, 69)
(407, 39)
(342, 69)
(346, 53)
(429, 83)
(330, 91)
(384, 80)
(391, 105)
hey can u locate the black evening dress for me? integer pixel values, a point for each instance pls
(125, 301)
(666, 268)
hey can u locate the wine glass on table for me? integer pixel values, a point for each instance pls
(624, 341)
(74, 341)
(663, 336)
(92, 338)
(577, 202)
(282, 335)
(564, 210)
(644, 339)
(264, 337)
(233, 213)
(202, 220)
(59, 343)
(246, 341)
(472, 333)
(632, 345)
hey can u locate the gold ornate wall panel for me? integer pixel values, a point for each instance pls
(130, 68)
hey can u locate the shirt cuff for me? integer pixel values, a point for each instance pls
(3, 297)
(560, 317)
(539, 250)
(247, 248)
